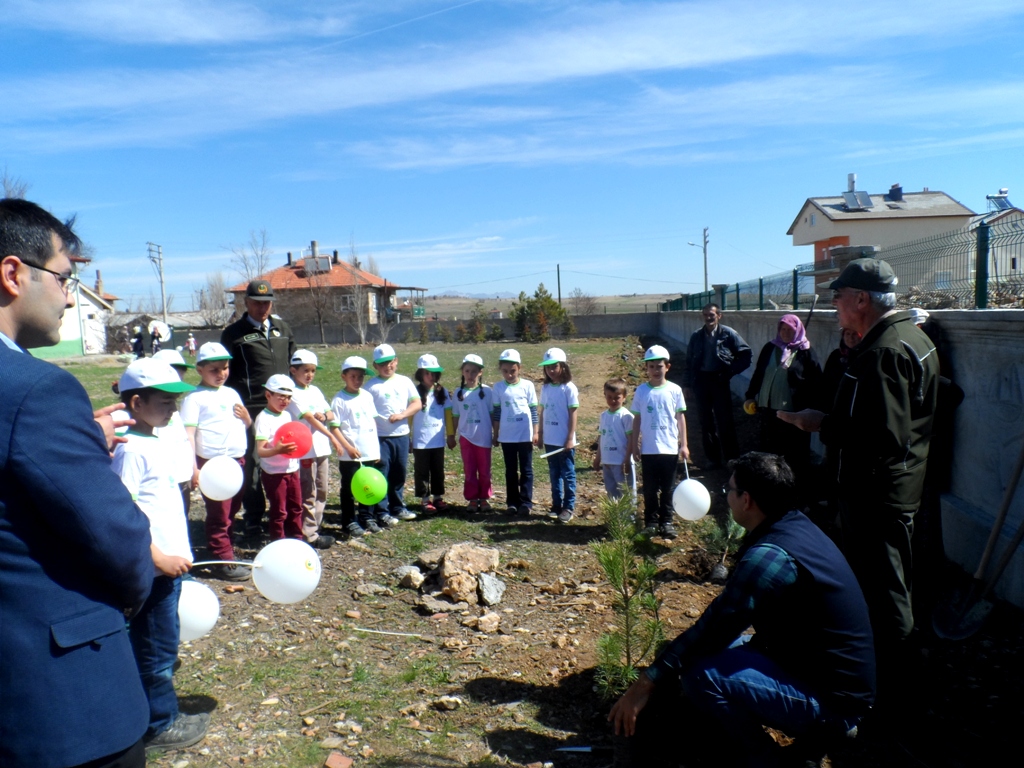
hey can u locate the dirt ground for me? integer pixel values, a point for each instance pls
(286, 684)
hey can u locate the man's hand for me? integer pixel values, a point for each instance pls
(106, 422)
(623, 714)
(808, 419)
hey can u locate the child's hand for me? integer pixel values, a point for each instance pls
(195, 478)
(354, 453)
(171, 565)
(536, 438)
(285, 448)
(597, 462)
(396, 417)
(570, 444)
(451, 441)
(321, 417)
(241, 413)
(684, 452)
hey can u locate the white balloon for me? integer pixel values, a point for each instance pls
(220, 478)
(691, 500)
(198, 610)
(286, 571)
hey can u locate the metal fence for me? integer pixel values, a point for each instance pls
(978, 266)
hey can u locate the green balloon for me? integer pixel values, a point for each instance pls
(369, 486)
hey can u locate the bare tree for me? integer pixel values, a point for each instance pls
(252, 260)
(387, 318)
(371, 266)
(356, 300)
(14, 187)
(212, 300)
(321, 298)
(582, 303)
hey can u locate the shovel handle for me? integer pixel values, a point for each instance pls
(997, 528)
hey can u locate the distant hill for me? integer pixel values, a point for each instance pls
(482, 296)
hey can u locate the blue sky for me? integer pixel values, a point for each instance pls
(473, 146)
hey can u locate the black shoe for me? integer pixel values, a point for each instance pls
(370, 526)
(322, 542)
(232, 573)
(185, 731)
(355, 530)
(650, 531)
(668, 531)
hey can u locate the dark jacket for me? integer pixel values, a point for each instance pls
(881, 421)
(732, 351)
(74, 556)
(255, 358)
(803, 375)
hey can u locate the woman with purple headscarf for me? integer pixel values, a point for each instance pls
(786, 379)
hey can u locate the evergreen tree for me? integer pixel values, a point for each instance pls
(540, 312)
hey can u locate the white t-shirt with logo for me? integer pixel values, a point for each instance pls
(515, 406)
(265, 427)
(355, 415)
(557, 400)
(613, 435)
(179, 447)
(657, 408)
(310, 400)
(218, 431)
(144, 466)
(474, 414)
(428, 423)
(391, 396)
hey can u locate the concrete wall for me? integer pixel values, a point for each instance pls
(983, 352)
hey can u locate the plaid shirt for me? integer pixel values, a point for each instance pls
(763, 571)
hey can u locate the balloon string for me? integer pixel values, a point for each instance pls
(686, 466)
(228, 562)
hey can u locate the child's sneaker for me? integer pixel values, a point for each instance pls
(472, 506)
(426, 505)
(511, 509)
(355, 530)
(565, 516)
(524, 510)
(370, 526)
(650, 531)
(386, 521)
(405, 514)
(554, 513)
(440, 505)
(485, 505)
(668, 531)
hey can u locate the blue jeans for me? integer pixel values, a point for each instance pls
(562, 470)
(743, 689)
(518, 474)
(394, 458)
(153, 632)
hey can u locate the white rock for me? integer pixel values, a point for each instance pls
(491, 588)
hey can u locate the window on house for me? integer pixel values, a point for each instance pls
(814, 219)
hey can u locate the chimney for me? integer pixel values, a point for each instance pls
(896, 193)
(335, 260)
(99, 284)
(314, 249)
(851, 182)
(289, 258)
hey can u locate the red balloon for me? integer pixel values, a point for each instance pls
(295, 432)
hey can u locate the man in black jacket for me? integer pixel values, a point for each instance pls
(809, 669)
(715, 354)
(261, 344)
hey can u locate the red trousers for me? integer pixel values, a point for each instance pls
(284, 496)
(476, 462)
(219, 516)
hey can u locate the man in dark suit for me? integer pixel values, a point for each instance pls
(74, 548)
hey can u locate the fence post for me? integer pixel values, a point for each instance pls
(796, 290)
(981, 268)
(737, 295)
(760, 293)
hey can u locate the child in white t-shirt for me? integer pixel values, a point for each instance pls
(614, 458)
(309, 405)
(432, 427)
(216, 422)
(658, 440)
(279, 463)
(354, 424)
(559, 407)
(516, 427)
(471, 410)
(396, 400)
(149, 389)
(174, 433)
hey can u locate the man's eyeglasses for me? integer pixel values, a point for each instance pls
(67, 283)
(726, 490)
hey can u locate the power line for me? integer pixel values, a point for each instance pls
(635, 279)
(495, 280)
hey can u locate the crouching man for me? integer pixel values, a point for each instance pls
(808, 669)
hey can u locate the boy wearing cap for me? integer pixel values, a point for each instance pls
(354, 424)
(175, 435)
(309, 405)
(658, 439)
(216, 423)
(279, 468)
(396, 399)
(517, 430)
(149, 390)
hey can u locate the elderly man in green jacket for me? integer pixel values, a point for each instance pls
(879, 429)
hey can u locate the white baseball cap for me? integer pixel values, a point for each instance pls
(172, 357)
(353, 362)
(429, 363)
(473, 360)
(212, 350)
(552, 356)
(510, 356)
(657, 352)
(150, 373)
(918, 315)
(280, 384)
(385, 353)
(304, 357)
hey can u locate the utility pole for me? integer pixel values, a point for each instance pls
(705, 247)
(558, 271)
(156, 256)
